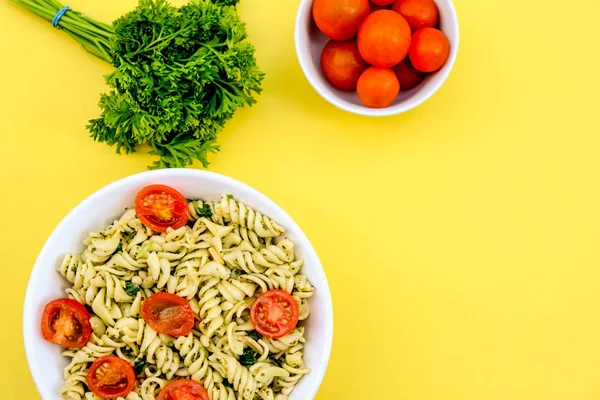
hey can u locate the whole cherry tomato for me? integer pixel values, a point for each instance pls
(342, 64)
(418, 13)
(408, 76)
(340, 19)
(429, 49)
(384, 38)
(378, 87)
(382, 3)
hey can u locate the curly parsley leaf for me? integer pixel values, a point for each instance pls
(131, 288)
(248, 357)
(139, 364)
(205, 211)
(255, 335)
(181, 73)
(119, 248)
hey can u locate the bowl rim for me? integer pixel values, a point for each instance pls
(317, 373)
(330, 96)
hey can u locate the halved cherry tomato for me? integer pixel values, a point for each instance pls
(342, 64)
(377, 87)
(160, 207)
(274, 314)
(408, 76)
(110, 377)
(384, 38)
(339, 19)
(67, 323)
(169, 314)
(418, 13)
(429, 49)
(183, 389)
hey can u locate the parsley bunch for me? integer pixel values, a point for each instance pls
(180, 75)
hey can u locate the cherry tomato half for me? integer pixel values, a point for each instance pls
(110, 377)
(339, 19)
(160, 207)
(378, 87)
(274, 314)
(67, 323)
(384, 38)
(408, 76)
(429, 49)
(183, 389)
(342, 64)
(169, 314)
(418, 13)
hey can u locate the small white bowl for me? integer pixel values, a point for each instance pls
(310, 43)
(107, 204)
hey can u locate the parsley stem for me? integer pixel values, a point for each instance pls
(92, 35)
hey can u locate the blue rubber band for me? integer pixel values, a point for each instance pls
(59, 15)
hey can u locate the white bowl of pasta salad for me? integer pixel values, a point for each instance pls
(178, 285)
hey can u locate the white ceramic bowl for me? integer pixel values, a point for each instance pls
(107, 204)
(309, 45)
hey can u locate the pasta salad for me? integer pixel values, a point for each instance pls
(182, 300)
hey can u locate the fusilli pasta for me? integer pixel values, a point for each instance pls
(221, 261)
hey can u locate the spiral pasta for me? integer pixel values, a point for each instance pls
(221, 262)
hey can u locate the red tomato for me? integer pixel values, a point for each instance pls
(274, 314)
(429, 49)
(339, 19)
(375, 7)
(418, 13)
(183, 389)
(408, 76)
(378, 87)
(66, 323)
(110, 377)
(384, 38)
(160, 207)
(342, 64)
(169, 314)
(382, 3)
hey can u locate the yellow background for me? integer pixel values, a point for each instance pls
(460, 239)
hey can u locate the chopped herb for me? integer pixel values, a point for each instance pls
(230, 196)
(205, 211)
(119, 248)
(139, 364)
(127, 351)
(248, 358)
(128, 235)
(255, 335)
(226, 383)
(131, 288)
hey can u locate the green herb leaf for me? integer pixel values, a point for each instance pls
(139, 364)
(181, 73)
(119, 248)
(226, 2)
(248, 357)
(255, 335)
(226, 383)
(128, 235)
(205, 211)
(131, 288)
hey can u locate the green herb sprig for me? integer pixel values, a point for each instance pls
(180, 75)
